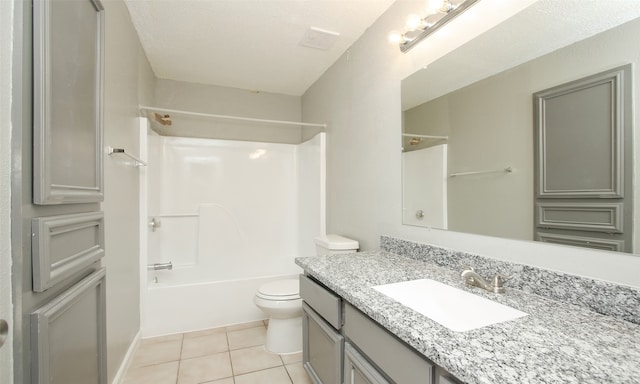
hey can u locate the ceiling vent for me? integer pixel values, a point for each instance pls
(319, 38)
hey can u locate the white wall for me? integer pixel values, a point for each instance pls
(128, 77)
(359, 97)
(6, 306)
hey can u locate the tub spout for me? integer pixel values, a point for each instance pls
(158, 266)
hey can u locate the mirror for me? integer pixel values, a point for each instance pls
(469, 115)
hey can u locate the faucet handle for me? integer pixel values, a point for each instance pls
(498, 282)
(471, 277)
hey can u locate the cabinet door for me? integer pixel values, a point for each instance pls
(397, 360)
(68, 342)
(322, 349)
(444, 377)
(67, 101)
(357, 370)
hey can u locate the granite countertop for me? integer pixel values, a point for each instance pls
(556, 343)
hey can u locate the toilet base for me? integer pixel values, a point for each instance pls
(284, 335)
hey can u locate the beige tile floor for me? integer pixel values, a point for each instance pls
(227, 355)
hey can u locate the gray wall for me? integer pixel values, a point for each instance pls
(128, 83)
(228, 101)
(359, 97)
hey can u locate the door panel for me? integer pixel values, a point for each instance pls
(584, 164)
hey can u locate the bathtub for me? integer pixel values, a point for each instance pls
(175, 304)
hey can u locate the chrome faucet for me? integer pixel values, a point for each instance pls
(472, 278)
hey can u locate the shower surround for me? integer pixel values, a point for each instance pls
(233, 215)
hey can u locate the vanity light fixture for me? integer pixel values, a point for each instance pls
(438, 13)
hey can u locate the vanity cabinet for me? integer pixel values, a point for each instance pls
(343, 345)
(444, 377)
(394, 359)
(323, 345)
(358, 370)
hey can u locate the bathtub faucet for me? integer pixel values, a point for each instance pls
(158, 266)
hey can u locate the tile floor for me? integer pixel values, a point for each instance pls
(227, 355)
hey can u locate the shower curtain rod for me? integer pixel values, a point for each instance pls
(179, 112)
(426, 136)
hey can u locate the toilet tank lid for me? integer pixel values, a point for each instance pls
(336, 242)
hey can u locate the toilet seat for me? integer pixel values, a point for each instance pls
(280, 290)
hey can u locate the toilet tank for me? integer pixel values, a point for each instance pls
(335, 244)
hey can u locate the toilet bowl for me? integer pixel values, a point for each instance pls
(280, 301)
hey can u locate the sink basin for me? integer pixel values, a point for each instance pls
(451, 307)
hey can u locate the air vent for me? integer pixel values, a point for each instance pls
(319, 38)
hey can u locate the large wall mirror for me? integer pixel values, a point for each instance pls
(470, 115)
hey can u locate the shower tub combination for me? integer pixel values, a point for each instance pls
(229, 216)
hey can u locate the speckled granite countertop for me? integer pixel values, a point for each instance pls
(556, 343)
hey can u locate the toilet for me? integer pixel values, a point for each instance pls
(280, 300)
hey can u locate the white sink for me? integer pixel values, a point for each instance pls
(451, 307)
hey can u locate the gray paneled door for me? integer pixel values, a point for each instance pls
(57, 229)
(584, 162)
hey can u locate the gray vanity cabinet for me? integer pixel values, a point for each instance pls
(394, 359)
(323, 349)
(323, 345)
(443, 377)
(357, 370)
(343, 345)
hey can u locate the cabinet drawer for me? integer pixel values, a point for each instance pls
(322, 301)
(397, 360)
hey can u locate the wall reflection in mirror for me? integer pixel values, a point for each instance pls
(469, 133)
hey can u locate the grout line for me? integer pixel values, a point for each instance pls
(180, 359)
(233, 372)
(287, 371)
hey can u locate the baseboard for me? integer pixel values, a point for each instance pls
(128, 357)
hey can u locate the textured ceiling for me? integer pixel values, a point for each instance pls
(248, 44)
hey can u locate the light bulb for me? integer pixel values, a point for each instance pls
(434, 6)
(413, 22)
(395, 37)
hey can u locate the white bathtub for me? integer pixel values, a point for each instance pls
(175, 304)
